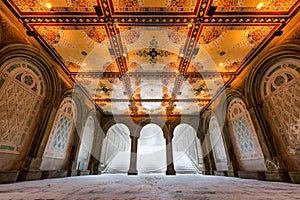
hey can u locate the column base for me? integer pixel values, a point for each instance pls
(220, 173)
(170, 172)
(295, 177)
(73, 173)
(8, 176)
(279, 176)
(132, 172)
(54, 174)
(232, 173)
(30, 175)
(258, 175)
(83, 172)
(206, 172)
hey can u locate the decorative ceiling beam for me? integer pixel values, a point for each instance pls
(202, 8)
(154, 20)
(106, 8)
(127, 85)
(115, 41)
(154, 100)
(154, 75)
(185, 60)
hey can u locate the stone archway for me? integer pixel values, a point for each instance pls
(115, 154)
(186, 150)
(151, 150)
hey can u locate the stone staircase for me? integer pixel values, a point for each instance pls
(183, 164)
(120, 164)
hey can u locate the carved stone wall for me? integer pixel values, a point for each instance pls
(58, 145)
(280, 91)
(21, 94)
(244, 137)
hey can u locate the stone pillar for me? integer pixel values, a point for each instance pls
(31, 169)
(169, 151)
(133, 156)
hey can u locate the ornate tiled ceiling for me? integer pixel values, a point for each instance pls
(162, 57)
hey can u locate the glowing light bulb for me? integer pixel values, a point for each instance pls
(48, 5)
(259, 6)
(220, 64)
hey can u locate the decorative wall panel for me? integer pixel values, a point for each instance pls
(243, 132)
(21, 93)
(63, 126)
(281, 92)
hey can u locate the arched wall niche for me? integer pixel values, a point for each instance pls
(280, 93)
(204, 135)
(57, 152)
(253, 82)
(44, 73)
(86, 144)
(217, 144)
(42, 62)
(279, 159)
(22, 94)
(244, 137)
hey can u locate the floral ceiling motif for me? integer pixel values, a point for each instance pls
(166, 57)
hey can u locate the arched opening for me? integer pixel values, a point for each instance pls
(86, 145)
(217, 145)
(115, 154)
(58, 148)
(22, 91)
(151, 156)
(186, 150)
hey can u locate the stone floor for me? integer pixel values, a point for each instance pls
(153, 186)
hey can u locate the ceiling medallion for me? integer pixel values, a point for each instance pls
(102, 88)
(153, 52)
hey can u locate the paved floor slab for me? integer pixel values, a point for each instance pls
(154, 186)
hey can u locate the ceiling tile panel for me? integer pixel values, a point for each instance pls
(157, 6)
(55, 6)
(254, 5)
(225, 48)
(81, 48)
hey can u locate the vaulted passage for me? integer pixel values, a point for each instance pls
(151, 156)
(116, 150)
(149, 99)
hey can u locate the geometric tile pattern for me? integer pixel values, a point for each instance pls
(59, 139)
(21, 89)
(243, 132)
(250, 6)
(281, 93)
(216, 141)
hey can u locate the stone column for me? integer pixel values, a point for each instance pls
(169, 151)
(133, 156)
(31, 169)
